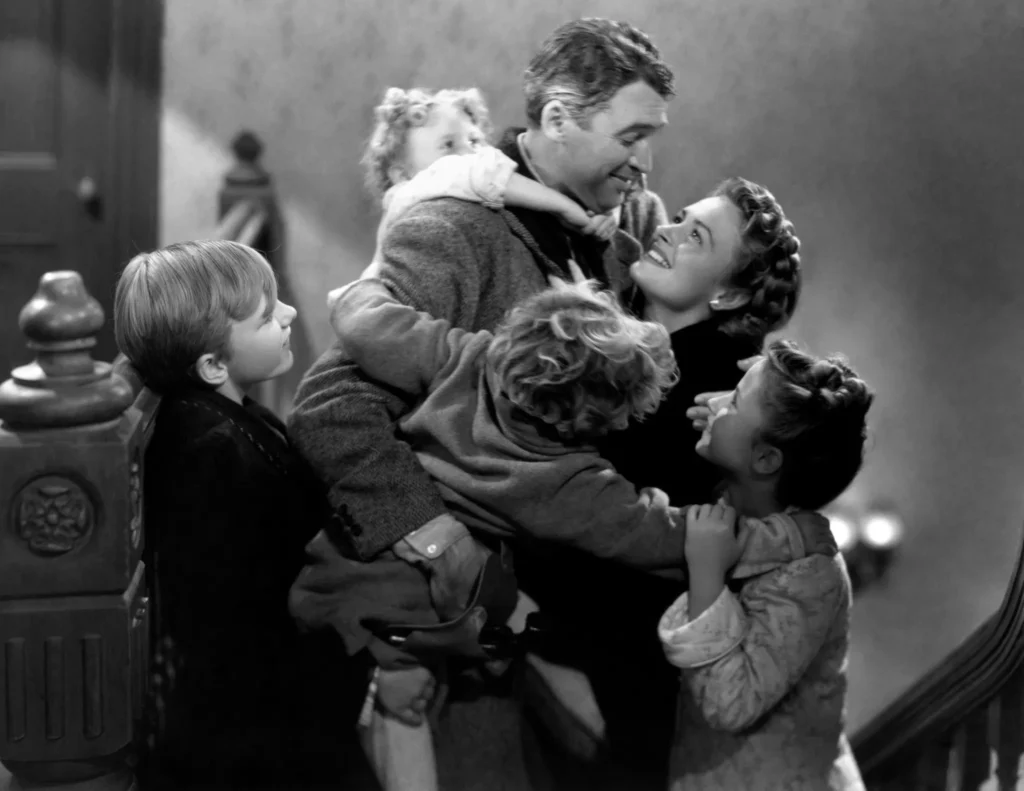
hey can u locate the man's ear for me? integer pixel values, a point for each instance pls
(211, 369)
(554, 120)
(730, 299)
(767, 459)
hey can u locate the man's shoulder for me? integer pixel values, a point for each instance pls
(444, 215)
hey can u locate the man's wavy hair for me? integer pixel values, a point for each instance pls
(571, 357)
(400, 111)
(584, 63)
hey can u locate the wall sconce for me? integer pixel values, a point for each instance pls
(868, 540)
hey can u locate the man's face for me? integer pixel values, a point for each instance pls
(602, 163)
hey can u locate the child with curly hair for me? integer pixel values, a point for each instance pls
(720, 277)
(763, 647)
(506, 425)
(434, 145)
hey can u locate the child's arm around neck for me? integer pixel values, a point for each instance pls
(486, 176)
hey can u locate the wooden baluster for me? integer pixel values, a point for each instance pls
(976, 766)
(73, 609)
(1010, 738)
(247, 180)
(932, 765)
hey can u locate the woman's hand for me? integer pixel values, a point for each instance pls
(711, 541)
(700, 411)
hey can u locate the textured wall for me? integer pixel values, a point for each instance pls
(890, 132)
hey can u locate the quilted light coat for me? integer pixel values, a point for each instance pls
(762, 701)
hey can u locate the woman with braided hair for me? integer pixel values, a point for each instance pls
(720, 277)
(763, 647)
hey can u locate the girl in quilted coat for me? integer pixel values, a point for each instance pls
(762, 648)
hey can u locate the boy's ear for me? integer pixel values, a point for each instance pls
(730, 299)
(767, 459)
(554, 120)
(211, 369)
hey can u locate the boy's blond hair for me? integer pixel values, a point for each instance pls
(571, 357)
(176, 304)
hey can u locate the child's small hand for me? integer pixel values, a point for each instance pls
(572, 215)
(711, 541)
(701, 411)
(603, 226)
(405, 693)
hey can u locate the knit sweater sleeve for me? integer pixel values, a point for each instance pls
(343, 422)
(642, 215)
(392, 342)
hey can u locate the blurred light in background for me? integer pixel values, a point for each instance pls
(844, 531)
(882, 530)
(868, 538)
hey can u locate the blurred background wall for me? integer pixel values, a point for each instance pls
(891, 133)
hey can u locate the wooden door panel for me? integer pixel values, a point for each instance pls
(54, 91)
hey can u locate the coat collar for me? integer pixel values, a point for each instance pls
(782, 538)
(259, 425)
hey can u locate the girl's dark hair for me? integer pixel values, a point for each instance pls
(816, 415)
(768, 266)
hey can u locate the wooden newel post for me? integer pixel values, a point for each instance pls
(73, 619)
(247, 180)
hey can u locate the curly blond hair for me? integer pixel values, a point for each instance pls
(400, 111)
(571, 357)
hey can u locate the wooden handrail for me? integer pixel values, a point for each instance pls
(934, 709)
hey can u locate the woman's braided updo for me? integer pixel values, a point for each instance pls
(768, 265)
(400, 111)
(816, 412)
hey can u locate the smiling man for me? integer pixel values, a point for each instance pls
(596, 92)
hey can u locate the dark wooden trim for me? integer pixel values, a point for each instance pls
(134, 143)
(969, 677)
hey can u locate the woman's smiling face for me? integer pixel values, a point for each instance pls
(693, 259)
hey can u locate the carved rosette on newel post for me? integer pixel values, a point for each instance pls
(73, 617)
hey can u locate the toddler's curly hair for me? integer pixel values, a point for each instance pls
(572, 357)
(400, 111)
(816, 414)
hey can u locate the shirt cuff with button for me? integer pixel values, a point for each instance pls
(435, 537)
